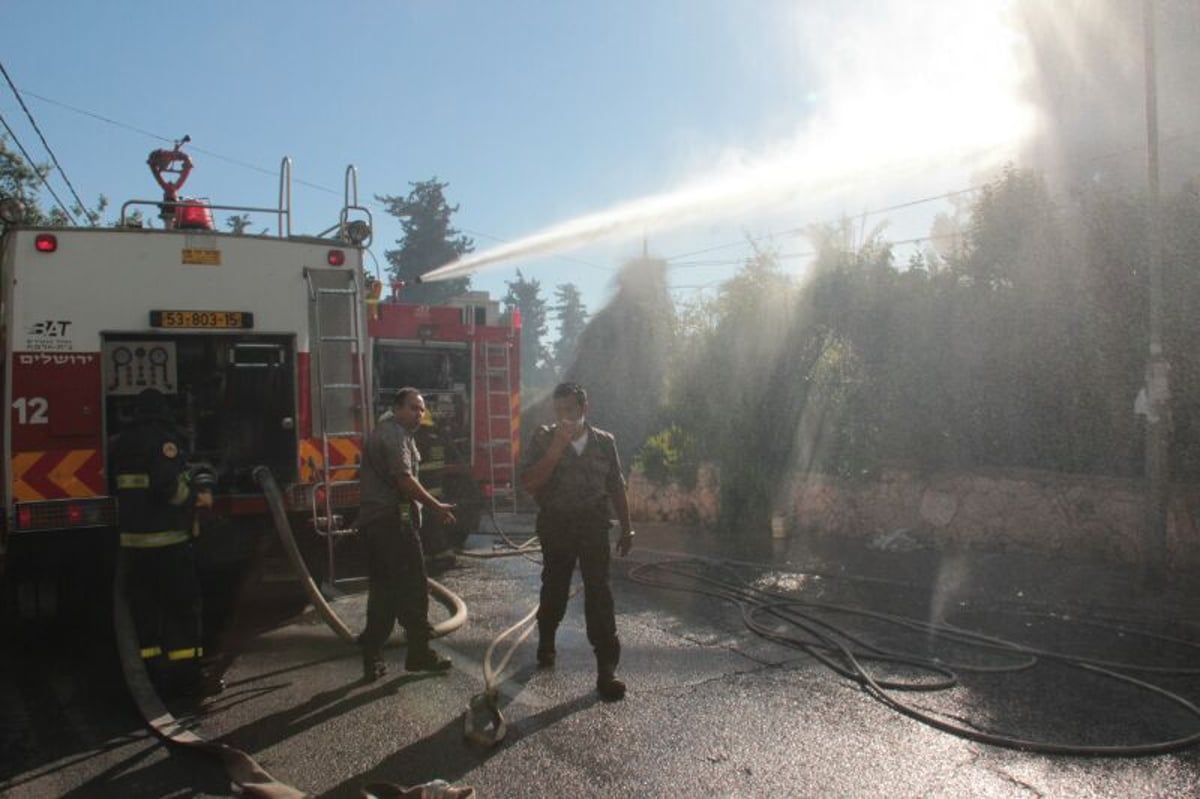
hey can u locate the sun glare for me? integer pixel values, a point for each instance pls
(922, 83)
(910, 87)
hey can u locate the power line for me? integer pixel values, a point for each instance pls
(783, 256)
(1137, 149)
(256, 168)
(800, 229)
(159, 137)
(45, 143)
(33, 165)
(476, 233)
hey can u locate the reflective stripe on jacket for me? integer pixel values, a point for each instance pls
(166, 538)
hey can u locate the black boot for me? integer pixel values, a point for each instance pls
(607, 685)
(373, 665)
(545, 651)
(421, 658)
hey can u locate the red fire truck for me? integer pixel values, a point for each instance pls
(261, 345)
(464, 358)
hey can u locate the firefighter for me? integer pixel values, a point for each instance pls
(156, 502)
(390, 516)
(437, 454)
(573, 471)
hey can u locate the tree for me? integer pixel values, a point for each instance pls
(239, 223)
(624, 353)
(429, 242)
(24, 181)
(525, 296)
(572, 318)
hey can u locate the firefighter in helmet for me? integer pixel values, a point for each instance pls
(157, 496)
(437, 453)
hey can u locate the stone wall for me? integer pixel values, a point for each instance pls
(991, 509)
(672, 502)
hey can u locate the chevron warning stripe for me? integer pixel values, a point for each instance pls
(59, 474)
(341, 450)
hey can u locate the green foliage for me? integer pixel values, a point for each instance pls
(1019, 341)
(526, 296)
(24, 181)
(669, 457)
(429, 241)
(572, 318)
(624, 354)
(239, 224)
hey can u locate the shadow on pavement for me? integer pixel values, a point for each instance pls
(447, 755)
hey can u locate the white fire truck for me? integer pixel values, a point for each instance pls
(259, 342)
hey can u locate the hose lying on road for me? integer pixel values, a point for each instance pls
(248, 776)
(484, 723)
(509, 548)
(451, 601)
(792, 621)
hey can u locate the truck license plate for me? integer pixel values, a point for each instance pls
(225, 320)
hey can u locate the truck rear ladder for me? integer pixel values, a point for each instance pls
(336, 297)
(497, 376)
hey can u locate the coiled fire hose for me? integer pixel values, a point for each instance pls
(794, 621)
(247, 776)
(451, 601)
(484, 723)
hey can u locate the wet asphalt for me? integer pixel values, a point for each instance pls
(713, 709)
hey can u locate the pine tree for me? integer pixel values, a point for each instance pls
(429, 242)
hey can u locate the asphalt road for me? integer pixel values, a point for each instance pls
(712, 710)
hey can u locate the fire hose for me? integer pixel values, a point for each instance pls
(793, 621)
(483, 722)
(441, 593)
(247, 776)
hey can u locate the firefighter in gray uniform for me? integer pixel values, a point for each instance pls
(573, 471)
(156, 504)
(390, 516)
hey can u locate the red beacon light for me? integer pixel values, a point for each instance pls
(193, 215)
(46, 242)
(336, 257)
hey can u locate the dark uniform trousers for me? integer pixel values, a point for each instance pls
(155, 517)
(567, 539)
(164, 598)
(398, 589)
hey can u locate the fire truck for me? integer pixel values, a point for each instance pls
(464, 359)
(263, 348)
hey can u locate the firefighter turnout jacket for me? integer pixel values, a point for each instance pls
(155, 501)
(155, 511)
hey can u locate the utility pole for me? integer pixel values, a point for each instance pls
(1157, 388)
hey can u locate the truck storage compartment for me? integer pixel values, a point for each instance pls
(233, 397)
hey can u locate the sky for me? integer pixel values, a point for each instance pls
(572, 135)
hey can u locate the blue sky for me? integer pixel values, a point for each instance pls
(536, 113)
